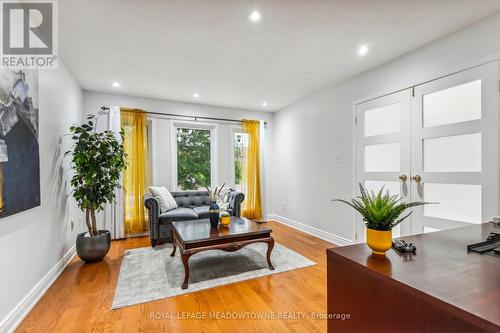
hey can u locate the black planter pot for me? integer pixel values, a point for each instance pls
(93, 249)
(213, 214)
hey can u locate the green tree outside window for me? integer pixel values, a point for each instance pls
(193, 158)
(238, 157)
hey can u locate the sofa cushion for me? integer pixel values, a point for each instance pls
(190, 199)
(202, 211)
(178, 214)
(165, 199)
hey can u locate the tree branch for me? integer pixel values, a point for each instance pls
(94, 225)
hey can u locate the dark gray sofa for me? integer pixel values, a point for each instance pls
(192, 205)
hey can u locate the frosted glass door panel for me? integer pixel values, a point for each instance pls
(457, 202)
(458, 153)
(453, 105)
(375, 186)
(396, 231)
(382, 157)
(383, 120)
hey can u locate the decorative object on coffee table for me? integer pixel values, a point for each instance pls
(197, 236)
(380, 213)
(225, 218)
(98, 160)
(213, 213)
(218, 194)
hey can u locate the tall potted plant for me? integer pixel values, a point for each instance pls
(381, 212)
(98, 160)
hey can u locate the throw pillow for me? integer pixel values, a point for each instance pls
(165, 199)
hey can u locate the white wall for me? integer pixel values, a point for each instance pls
(309, 134)
(161, 159)
(35, 244)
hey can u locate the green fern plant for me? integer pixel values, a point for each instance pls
(381, 211)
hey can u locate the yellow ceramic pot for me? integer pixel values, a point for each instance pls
(379, 241)
(225, 220)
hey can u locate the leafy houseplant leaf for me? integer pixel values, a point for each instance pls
(381, 211)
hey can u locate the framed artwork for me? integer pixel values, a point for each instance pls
(19, 147)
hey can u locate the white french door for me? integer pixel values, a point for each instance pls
(456, 149)
(383, 149)
(436, 142)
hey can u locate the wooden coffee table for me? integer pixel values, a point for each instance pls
(197, 236)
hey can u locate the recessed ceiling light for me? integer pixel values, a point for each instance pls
(196, 95)
(363, 50)
(255, 16)
(264, 104)
(116, 84)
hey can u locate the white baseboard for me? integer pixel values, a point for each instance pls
(324, 235)
(16, 316)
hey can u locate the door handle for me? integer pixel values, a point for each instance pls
(417, 178)
(404, 186)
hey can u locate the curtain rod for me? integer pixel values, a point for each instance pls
(105, 108)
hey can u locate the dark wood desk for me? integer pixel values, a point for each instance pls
(197, 236)
(442, 288)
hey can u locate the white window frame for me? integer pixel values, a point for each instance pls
(214, 143)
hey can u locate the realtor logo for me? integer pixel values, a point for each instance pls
(29, 34)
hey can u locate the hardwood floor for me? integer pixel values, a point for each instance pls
(80, 300)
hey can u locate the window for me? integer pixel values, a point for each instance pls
(238, 159)
(240, 141)
(194, 165)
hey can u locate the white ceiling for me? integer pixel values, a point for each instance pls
(172, 49)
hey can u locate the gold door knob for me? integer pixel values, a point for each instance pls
(403, 177)
(417, 178)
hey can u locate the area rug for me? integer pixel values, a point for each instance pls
(148, 274)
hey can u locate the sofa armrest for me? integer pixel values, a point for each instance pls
(153, 207)
(235, 199)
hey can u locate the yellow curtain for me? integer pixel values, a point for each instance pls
(136, 176)
(252, 205)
